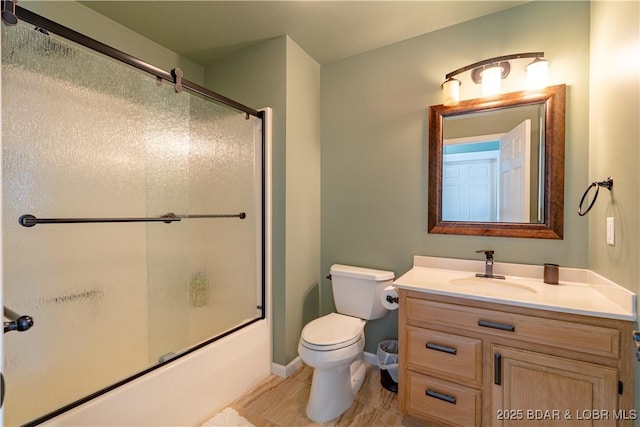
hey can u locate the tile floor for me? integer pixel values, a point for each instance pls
(281, 402)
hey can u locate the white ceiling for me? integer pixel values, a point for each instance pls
(206, 31)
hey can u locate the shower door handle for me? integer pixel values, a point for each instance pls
(16, 321)
(2, 389)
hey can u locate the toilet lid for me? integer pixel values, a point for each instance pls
(332, 329)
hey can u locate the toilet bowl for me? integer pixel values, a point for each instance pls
(333, 345)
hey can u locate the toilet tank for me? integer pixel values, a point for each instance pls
(357, 290)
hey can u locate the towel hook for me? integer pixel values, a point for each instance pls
(607, 183)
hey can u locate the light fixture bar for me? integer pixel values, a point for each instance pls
(494, 60)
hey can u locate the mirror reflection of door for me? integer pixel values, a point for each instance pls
(478, 169)
(515, 174)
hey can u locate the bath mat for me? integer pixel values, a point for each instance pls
(228, 417)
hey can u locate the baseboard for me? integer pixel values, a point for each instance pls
(286, 371)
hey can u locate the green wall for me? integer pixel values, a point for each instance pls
(374, 143)
(614, 136)
(303, 195)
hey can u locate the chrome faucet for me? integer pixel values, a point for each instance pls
(488, 265)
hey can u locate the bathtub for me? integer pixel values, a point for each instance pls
(187, 391)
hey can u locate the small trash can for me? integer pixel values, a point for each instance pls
(388, 363)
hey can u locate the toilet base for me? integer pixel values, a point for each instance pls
(333, 390)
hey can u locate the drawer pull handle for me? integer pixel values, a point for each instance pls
(495, 325)
(441, 396)
(442, 348)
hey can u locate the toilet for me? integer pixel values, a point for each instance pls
(333, 345)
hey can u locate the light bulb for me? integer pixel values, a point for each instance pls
(491, 78)
(451, 92)
(537, 74)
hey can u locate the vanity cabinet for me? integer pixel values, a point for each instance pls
(560, 389)
(472, 363)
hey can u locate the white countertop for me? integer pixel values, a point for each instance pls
(579, 291)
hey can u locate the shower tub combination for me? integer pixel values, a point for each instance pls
(135, 229)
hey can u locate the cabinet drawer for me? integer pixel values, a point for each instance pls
(447, 356)
(447, 403)
(559, 333)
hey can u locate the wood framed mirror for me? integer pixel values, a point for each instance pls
(496, 165)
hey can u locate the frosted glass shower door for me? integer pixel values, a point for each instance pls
(84, 136)
(215, 285)
(71, 149)
(224, 255)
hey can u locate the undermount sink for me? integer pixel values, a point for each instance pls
(494, 284)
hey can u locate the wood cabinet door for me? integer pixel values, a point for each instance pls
(530, 388)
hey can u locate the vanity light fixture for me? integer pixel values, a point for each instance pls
(491, 71)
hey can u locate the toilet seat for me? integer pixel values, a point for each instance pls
(332, 332)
